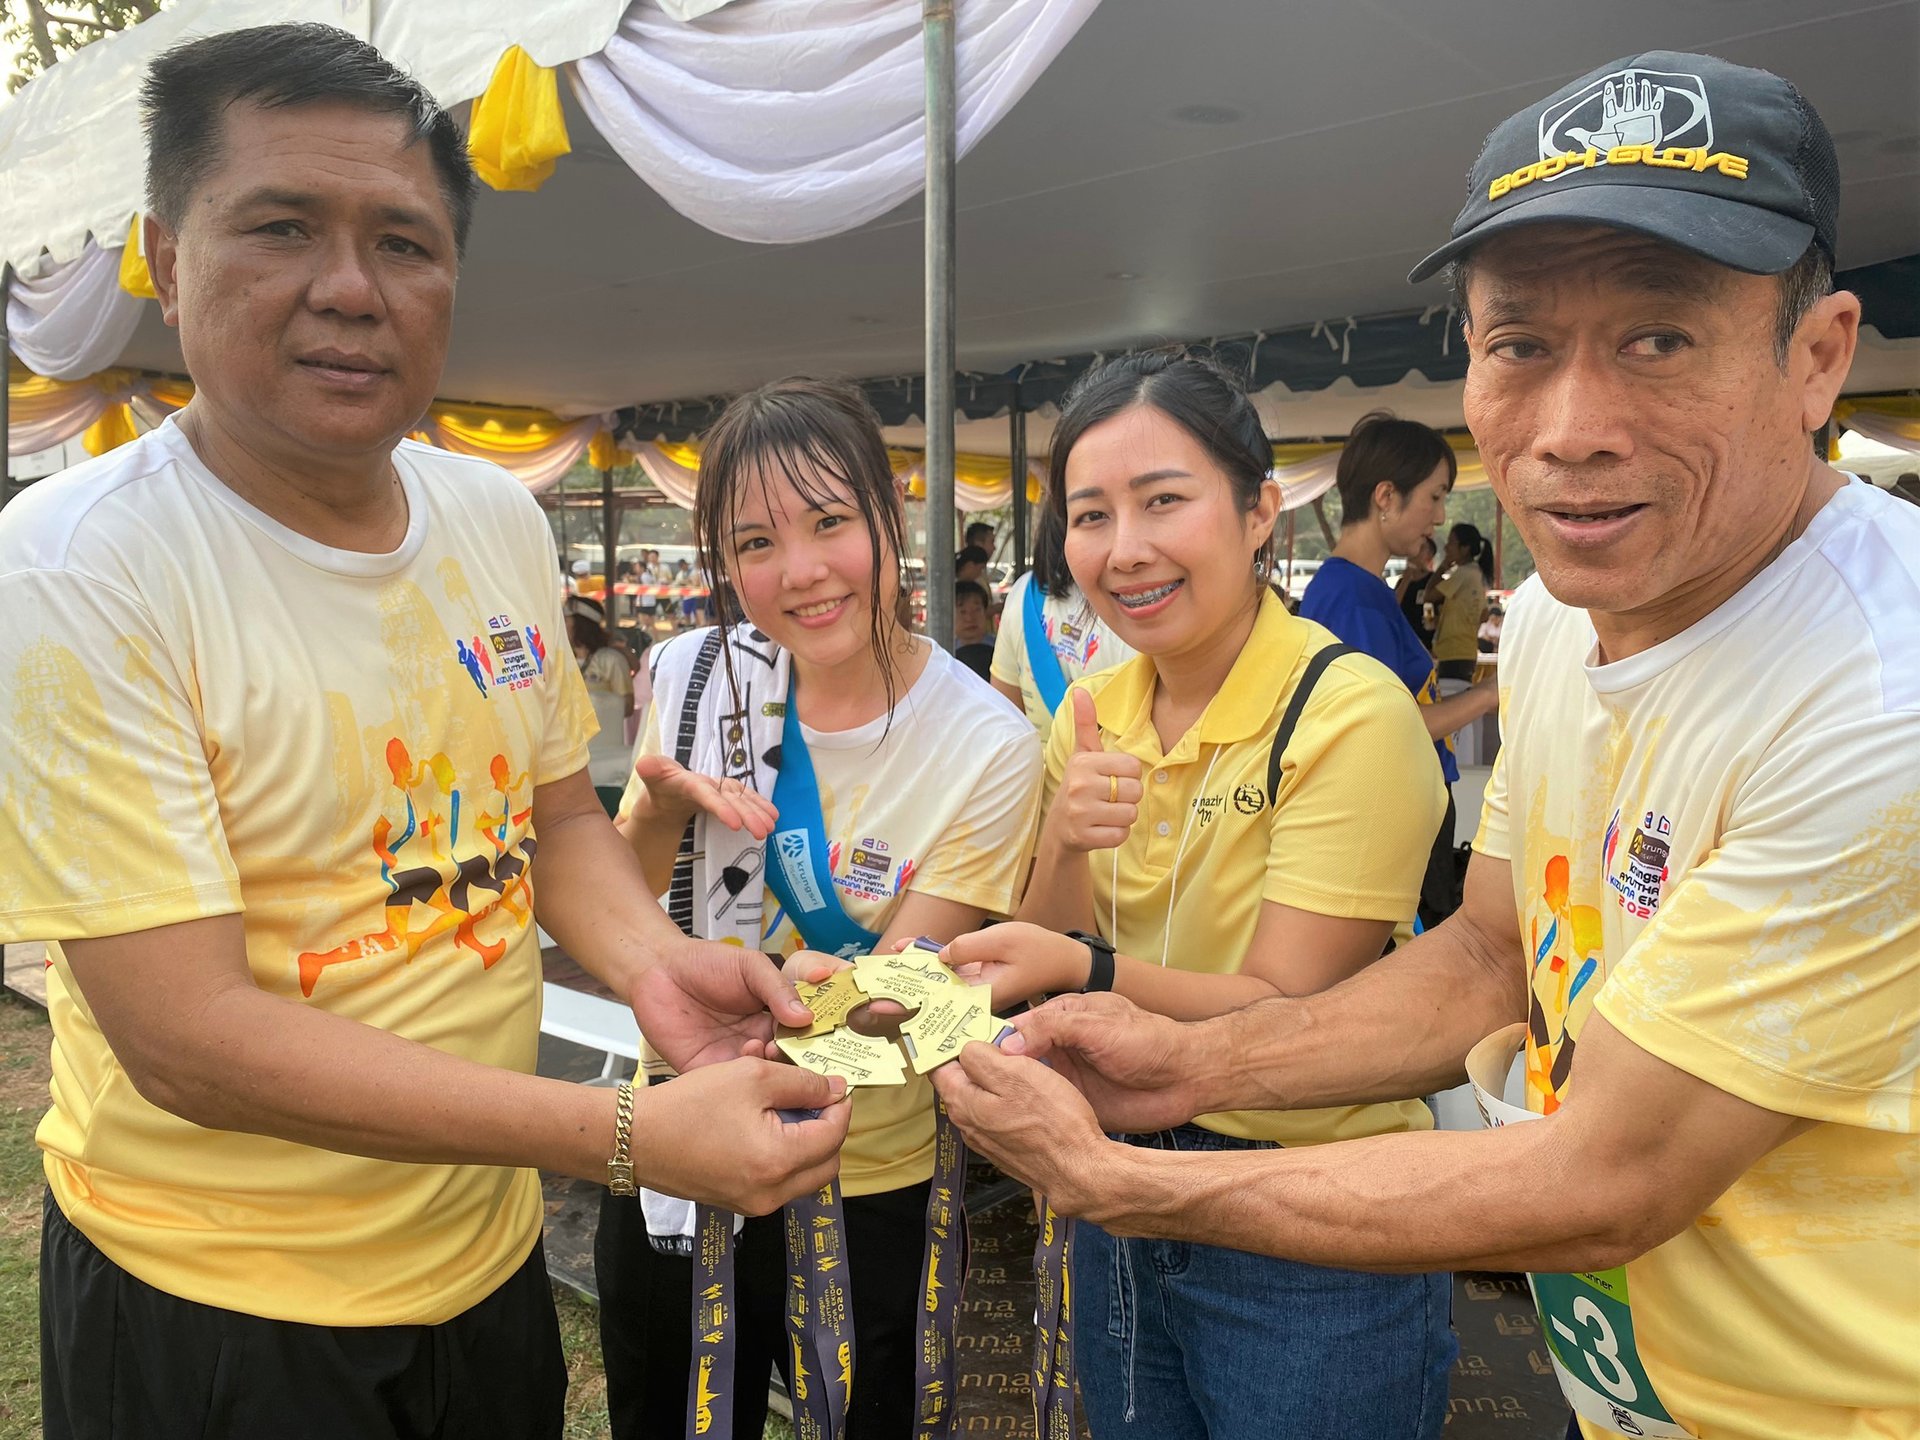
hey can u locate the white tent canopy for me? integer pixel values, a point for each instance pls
(1179, 171)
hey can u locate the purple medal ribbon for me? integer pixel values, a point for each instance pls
(710, 1400)
(819, 1315)
(1053, 1328)
(943, 1275)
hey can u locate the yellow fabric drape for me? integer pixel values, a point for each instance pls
(135, 277)
(518, 130)
(1891, 419)
(110, 431)
(502, 430)
(172, 393)
(604, 453)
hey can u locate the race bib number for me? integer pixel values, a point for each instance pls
(1586, 1318)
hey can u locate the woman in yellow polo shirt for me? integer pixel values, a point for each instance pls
(1459, 592)
(1221, 878)
(877, 790)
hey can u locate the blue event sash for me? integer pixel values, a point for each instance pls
(1048, 678)
(800, 876)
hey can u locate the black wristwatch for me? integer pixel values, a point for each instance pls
(1100, 970)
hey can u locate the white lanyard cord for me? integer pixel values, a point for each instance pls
(1173, 885)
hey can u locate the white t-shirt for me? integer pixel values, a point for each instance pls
(1716, 845)
(942, 797)
(206, 713)
(1079, 637)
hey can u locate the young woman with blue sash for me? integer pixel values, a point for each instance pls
(810, 775)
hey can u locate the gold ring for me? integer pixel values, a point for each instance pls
(1113, 789)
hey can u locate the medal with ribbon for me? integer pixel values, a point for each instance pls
(947, 1015)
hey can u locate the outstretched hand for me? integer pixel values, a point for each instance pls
(675, 790)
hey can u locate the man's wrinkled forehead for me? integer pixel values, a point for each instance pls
(1518, 273)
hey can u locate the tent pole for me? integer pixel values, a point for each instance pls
(1017, 473)
(1499, 545)
(937, 34)
(6, 413)
(610, 537)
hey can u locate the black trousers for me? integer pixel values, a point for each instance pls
(646, 1318)
(120, 1360)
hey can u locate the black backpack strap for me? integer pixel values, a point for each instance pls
(1296, 706)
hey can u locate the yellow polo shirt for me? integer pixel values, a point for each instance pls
(1359, 803)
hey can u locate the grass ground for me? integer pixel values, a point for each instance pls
(24, 1071)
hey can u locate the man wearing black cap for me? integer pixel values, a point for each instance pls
(1694, 905)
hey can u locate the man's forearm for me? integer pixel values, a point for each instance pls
(263, 1065)
(654, 838)
(1395, 1203)
(1399, 1029)
(592, 896)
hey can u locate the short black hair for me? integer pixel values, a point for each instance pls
(189, 89)
(972, 555)
(971, 589)
(1382, 446)
(979, 527)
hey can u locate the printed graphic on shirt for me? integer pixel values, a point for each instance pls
(870, 870)
(1637, 883)
(437, 878)
(1564, 943)
(510, 657)
(1076, 641)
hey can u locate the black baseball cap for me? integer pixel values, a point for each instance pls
(1729, 163)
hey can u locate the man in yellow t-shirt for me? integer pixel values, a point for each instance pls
(1694, 906)
(288, 717)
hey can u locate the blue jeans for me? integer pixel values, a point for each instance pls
(1180, 1341)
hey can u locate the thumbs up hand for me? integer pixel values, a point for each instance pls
(1099, 795)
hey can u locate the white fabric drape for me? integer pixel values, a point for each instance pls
(73, 320)
(1896, 432)
(675, 481)
(969, 496)
(1307, 481)
(538, 470)
(783, 122)
(44, 421)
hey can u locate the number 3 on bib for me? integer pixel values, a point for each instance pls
(1589, 1333)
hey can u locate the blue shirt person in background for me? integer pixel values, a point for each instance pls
(1394, 478)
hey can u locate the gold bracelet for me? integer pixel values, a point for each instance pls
(620, 1167)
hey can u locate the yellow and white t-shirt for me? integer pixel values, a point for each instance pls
(207, 713)
(1716, 844)
(1080, 638)
(940, 798)
(1360, 801)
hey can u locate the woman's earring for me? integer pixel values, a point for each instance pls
(1260, 563)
